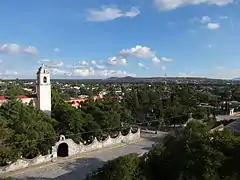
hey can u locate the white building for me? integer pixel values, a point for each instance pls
(43, 89)
(41, 100)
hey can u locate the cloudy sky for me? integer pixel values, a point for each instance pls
(105, 38)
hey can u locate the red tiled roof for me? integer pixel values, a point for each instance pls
(2, 98)
(77, 99)
(26, 96)
(20, 97)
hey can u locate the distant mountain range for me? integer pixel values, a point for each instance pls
(129, 79)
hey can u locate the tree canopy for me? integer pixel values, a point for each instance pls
(190, 154)
(24, 131)
(28, 132)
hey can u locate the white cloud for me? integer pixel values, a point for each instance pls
(213, 26)
(224, 73)
(97, 69)
(190, 74)
(115, 73)
(30, 50)
(117, 61)
(8, 73)
(91, 72)
(141, 65)
(133, 12)
(83, 63)
(110, 13)
(159, 65)
(85, 71)
(16, 49)
(143, 52)
(163, 68)
(173, 4)
(59, 72)
(100, 66)
(96, 65)
(208, 22)
(205, 19)
(1, 60)
(93, 62)
(166, 59)
(51, 63)
(156, 60)
(10, 48)
(182, 74)
(88, 64)
(56, 50)
(218, 72)
(74, 66)
(223, 17)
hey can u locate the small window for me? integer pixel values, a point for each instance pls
(44, 79)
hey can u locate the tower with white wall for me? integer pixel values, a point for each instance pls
(43, 89)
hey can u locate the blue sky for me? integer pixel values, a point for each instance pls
(105, 38)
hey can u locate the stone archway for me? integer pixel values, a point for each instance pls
(62, 150)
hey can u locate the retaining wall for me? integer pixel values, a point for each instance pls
(218, 128)
(73, 148)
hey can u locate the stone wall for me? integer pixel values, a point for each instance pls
(23, 163)
(73, 149)
(218, 128)
(153, 132)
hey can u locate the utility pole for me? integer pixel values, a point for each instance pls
(165, 81)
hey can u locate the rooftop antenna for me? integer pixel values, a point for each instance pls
(165, 82)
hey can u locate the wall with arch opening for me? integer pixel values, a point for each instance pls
(62, 150)
(67, 147)
(75, 148)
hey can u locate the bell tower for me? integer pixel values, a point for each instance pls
(43, 89)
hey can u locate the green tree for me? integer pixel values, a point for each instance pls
(189, 154)
(122, 168)
(31, 132)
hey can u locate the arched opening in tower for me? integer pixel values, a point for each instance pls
(62, 150)
(45, 79)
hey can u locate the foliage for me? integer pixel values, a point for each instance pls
(193, 153)
(122, 168)
(13, 89)
(190, 154)
(26, 131)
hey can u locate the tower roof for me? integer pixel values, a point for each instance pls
(42, 69)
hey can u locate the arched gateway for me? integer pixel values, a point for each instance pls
(62, 150)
